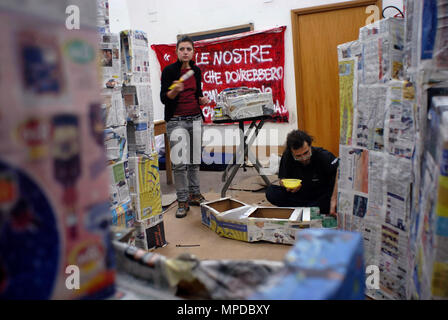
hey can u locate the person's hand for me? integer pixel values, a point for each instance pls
(294, 190)
(204, 100)
(179, 87)
(333, 205)
(289, 189)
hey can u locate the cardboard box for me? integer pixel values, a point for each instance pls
(150, 233)
(145, 186)
(236, 220)
(323, 264)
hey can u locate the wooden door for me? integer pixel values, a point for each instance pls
(317, 32)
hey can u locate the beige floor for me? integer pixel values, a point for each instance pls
(209, 245)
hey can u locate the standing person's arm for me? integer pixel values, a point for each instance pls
(166, 81)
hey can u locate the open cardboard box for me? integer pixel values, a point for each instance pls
(234, 219)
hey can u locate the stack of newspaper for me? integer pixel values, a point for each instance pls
(243, 102)
(392, 164)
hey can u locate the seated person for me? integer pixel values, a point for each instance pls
(317, 169)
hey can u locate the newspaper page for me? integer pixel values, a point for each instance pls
(424, 240)
(114, 112)
(399, 124)
(144, 98)
(354, 173)
(118, 188)
(370, 112)
(348, 82)
(393, 261)
(110, 60)
(410, 42)
(392, 51)
(398, 188)
(103, 16)
(140, 58)
(370, 54)
(345, 209)
(351, 50)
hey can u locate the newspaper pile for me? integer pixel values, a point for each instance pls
(377, 141)
(391, 158)
(244, 102)
(53, 176)
(147, 201)
(134, 191)
(428, 68)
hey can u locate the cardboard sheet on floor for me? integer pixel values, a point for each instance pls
(254, 183)
(168, 199)
(196, 238)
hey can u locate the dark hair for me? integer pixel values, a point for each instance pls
(184, 39)
(297, 138)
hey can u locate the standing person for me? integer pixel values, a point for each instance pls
(182, 100)
(317, 169)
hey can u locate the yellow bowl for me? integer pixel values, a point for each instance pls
(291, 183)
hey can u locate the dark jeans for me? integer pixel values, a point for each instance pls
(279, 197)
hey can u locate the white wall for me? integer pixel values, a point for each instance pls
(163, 20)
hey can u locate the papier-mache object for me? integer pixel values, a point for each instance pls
(54, 237)
(234, 219)
(324, 264)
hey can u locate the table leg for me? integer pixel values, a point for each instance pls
(229, 180)
(257, 167)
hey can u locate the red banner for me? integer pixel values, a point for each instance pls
(253, 59)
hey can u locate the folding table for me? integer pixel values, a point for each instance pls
(243, 153)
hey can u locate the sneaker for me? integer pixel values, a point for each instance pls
(182, 209)
(196, 199)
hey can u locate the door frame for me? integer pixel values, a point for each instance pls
(295, 15)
